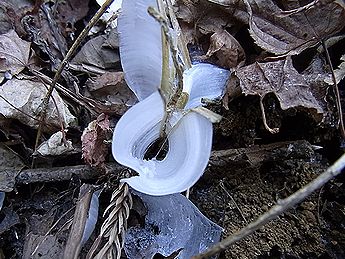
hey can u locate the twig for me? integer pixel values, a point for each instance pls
(10, 177)
(221, 184)
(234, 158)
(73, 245)
(279, 208)
(336, 91)
(262, 108)
(63, 64)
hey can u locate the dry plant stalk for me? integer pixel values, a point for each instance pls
(114, 227)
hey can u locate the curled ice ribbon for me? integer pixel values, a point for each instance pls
(190, 133)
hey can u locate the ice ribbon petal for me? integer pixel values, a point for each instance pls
(204, 81)
(140, 47)
(189, 148)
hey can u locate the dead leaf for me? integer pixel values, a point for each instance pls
(93, 147)
(56, 146)
(20, 100)
(8, 179)
(9, 158)
(11, 13)
(14, 53)
(227, 49)
(46, 246)
(281, 78)
(71, 11)
(290, 35)
(5, 21)
(96, 52)
(9, 220)
(111, 88)
(226, 3)
(205, 17)
(339, 72)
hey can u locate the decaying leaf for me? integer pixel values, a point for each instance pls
(204, 17)
(226, 48)
(20, 99)
(38, 246)
(93, 147)
(71, 11)
(97, 52)
(281, 78)
(226, 3)
(11, 13)
(291, 34)
(110, 88)
(14, 53)
(56, 146)
(9, 160)
(339, 72)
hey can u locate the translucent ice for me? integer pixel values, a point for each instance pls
(172, 222)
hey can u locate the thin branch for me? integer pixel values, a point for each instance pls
(336, 91)
(63, 64)
(264, 120)
(73, 245)
(278, 209)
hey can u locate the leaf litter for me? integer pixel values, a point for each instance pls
(249, 37)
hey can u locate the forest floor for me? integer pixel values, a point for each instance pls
(280, 80)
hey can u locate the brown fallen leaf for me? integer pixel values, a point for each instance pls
(206, 17)
(20, 99)
(93, 147)
(282, 79)
(111, 88)
(11, 13)
(339, 72)
(291, 34)
(69, 12)
(14, 53)
(227, 49)
(96, 52)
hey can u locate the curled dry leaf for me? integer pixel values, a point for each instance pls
(205, 17)
(93, 140)
(56, 146)
(20, 99)
(290, 35)
(14, 53)
(111, 88)
(226, 48)
(97, 53)
(281, 78)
